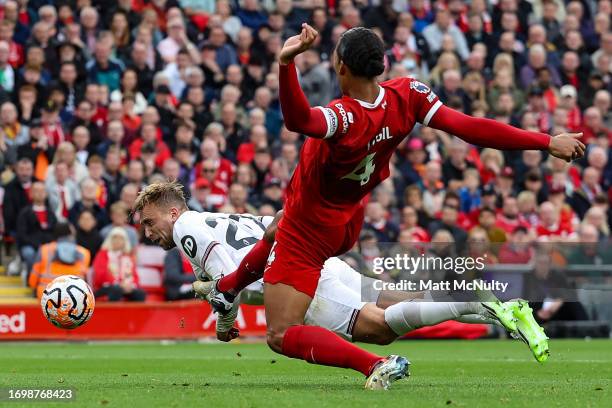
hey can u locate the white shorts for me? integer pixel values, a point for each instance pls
(337, 301)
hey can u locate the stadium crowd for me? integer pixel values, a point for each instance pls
(99, 98)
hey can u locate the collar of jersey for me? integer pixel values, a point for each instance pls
(379, 98)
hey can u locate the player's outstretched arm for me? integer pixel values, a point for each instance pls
(490, 133)
(297, 113)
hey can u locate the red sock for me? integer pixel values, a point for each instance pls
(250, 269)
(321, 346)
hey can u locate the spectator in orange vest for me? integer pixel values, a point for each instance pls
(57, 258)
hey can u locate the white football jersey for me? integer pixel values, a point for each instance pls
(196, 234)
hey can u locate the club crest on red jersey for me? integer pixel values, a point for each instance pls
(419, 87)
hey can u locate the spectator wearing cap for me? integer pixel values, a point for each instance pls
(569, 102)
(37, 150)
(504, 182)
(536, 106)
(199, 200)
(412, 165)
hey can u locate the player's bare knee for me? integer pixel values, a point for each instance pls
(274, 338)
(371, 326)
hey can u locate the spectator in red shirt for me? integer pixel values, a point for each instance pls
(569, 101)
(114, 269)
(209, 150)
(517, 250)
(148, 136)
(550, 223)
(509, 218)
(594, 125)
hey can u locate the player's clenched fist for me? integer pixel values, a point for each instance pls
(229, 335)
(297, 44)
(566, 146)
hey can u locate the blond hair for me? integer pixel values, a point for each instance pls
(121, 232)
(160, 194)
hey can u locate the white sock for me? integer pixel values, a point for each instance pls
(404, 317)
(477, 319)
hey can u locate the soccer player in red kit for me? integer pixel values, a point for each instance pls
(346, 155)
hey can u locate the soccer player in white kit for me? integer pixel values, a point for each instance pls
(215, 243)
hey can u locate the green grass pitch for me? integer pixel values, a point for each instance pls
(487, 373)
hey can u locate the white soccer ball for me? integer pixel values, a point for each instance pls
(67, 302)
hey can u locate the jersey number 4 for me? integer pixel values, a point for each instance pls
(363, 171)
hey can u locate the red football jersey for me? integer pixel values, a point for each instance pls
(335, 173)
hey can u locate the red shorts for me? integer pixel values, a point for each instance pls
(300, 250)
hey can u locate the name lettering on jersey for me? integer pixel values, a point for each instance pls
(189, 245)
(345, 121)
(383, 135)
